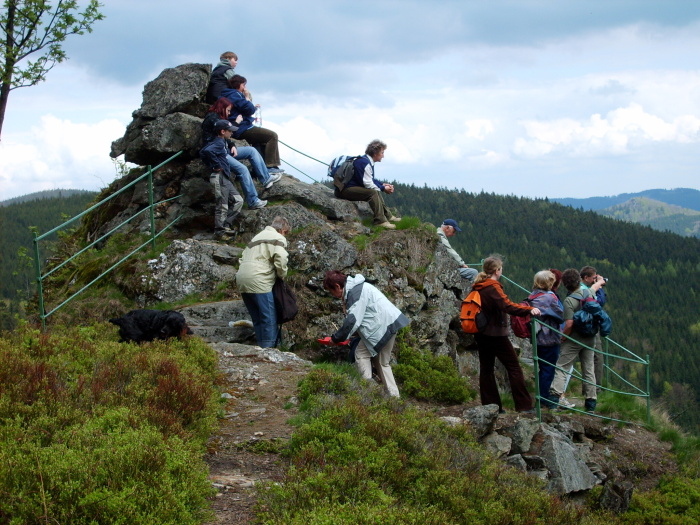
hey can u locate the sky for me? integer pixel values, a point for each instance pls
(536, 98)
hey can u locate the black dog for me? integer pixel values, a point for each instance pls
(147, 325)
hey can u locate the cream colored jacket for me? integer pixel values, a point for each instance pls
(264, 259)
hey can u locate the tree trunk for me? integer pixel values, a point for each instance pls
(4, 95)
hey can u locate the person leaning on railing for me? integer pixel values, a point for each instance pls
(493, 341)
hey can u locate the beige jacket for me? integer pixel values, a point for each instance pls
(264, 259)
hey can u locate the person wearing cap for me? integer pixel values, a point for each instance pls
(228, 201)
(364, 187)
(449, 228)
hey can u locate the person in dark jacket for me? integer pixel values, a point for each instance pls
(493, 341)
(364, 187)
(218, 81)
(228, 201)
(221, 109)
(265, 138)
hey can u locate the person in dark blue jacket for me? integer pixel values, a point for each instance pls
(228, 201)
(265, 138)
(218, 81)
(595, 283)
(364, 187)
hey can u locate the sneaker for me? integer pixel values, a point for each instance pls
(273, 178)
(223, 235)
(387, 225)
(565, 403)
(527, 411)
(395, 219)
(260, 204)
(275, 170)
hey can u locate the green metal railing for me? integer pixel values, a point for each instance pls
(43, 314)
(629, 356)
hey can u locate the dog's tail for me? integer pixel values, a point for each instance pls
(117, 320)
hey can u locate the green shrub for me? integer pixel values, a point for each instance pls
(94, 431)
(425, 376)
(368, 459)
(676, 501)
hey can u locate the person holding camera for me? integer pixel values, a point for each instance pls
(595, 283)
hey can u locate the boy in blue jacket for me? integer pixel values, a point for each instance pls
(228, 201)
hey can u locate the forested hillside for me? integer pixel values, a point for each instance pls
(16, 272)
(659, 215)
(683, 197)
(654, 277)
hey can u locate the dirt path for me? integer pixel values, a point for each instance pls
(261, 384)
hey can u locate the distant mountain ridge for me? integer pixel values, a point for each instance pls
(683, 197)
(677, 210)
(46, 194)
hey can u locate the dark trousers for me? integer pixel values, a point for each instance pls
(372, 197)
(500, 347)
(550, 354)
(269, 142)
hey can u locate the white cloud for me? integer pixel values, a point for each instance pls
(63, 154)
(620, 132)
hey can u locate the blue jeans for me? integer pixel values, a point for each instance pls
(546, 371)
(240, 172)
(252, 155)
(261, 307)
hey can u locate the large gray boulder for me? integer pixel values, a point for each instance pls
(176, 90)
(568, 472)
(191, 267)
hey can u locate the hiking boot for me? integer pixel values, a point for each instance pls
(395, 219)
(590, 405)
(275, 170)
(260, 204)
(387, 225)
(273, 178)
(221, 235)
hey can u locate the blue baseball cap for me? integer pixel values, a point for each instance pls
(453, 223)
(223, 124)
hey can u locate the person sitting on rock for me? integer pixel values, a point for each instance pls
(262, 262)
(448, 229)
(221, 109)
(265, 138)
(218, 81)
(364, 187)
(228, 201)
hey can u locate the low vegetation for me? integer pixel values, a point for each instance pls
(359, 457)
(94, 431)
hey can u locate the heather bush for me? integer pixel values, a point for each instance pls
(362, 458)
(428, 377)
(95, 431)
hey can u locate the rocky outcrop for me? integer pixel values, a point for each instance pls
(531, 446)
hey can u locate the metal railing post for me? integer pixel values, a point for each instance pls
(648, 390)
(606, 363)
(39, 283)
(150, 206)
(536, 366)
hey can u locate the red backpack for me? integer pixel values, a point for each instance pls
(473, 319)
(521, 325)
